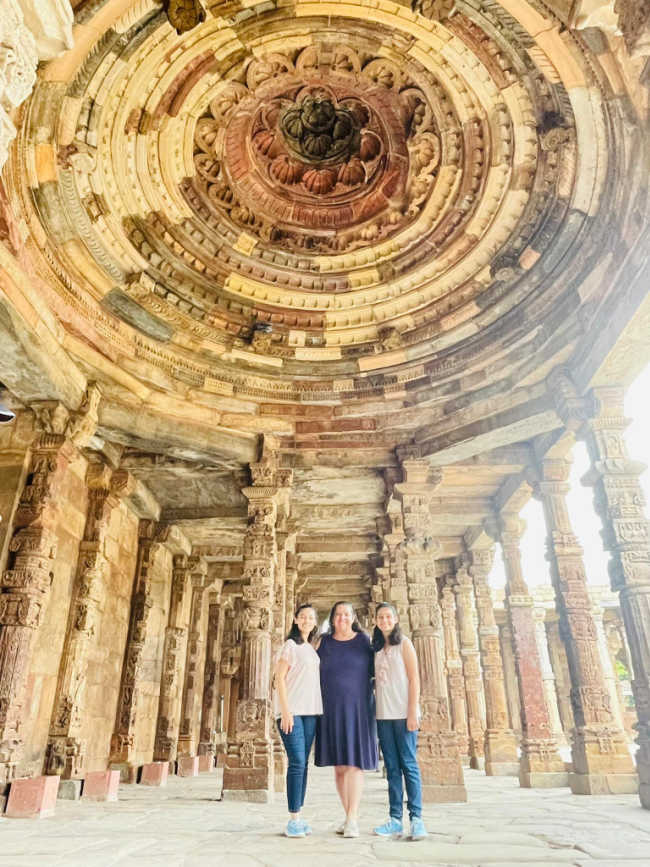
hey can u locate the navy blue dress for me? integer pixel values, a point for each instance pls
(346, 733)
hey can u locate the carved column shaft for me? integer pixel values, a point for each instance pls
(548, 675)
(66, 751)
(439, 755)
(173, 667)
(123, 746)
(620, 503)
(510, 678)
(469, 652)
(601, 759)
(194, 662)
(609, 675)
(560, 667)
(500, 742)
(26, 584)
(454, 665)
(249, 768)
(540, 764)
(210, 712)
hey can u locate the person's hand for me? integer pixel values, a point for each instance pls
(286, 723)
(412, 723)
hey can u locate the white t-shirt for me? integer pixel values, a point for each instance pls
(302, 679)
(391, 682)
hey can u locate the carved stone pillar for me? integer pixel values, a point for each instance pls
(442, 773)
(123, 746)
(210, 712)
(601, 759)
(560, 666)
(454, 666)
(248, 774)
(188, 736)
(500, 742)
(66, 752)
(230, 660)
(609, 675)
(284, 540)
(540, 763)
(548, 675)
(469, 652)
(619, 501)
(25, 585)
(291, 571)
(173, 667)
(510, 678)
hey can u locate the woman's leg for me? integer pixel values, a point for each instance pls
(339, 777)
(407, 744)
(354, 789)
(309, 730)
(388, 740)
(294, 744)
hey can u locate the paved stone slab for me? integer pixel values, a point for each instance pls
(426, 852)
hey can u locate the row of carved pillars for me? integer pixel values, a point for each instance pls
(201, 651)
(443, 619)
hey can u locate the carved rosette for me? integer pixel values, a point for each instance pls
(620, 503)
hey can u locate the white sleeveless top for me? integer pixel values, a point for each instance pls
(391, 682)
(302, 680)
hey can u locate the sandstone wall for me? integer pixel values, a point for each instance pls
(15, 440)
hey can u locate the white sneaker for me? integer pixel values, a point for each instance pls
(341, 828)
(351, 829)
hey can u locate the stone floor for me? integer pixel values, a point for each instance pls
(185, 825)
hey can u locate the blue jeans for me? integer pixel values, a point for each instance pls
(298, 746)
(399, 747)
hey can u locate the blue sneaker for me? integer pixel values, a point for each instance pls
(418, 831)
(391, 828)
(306, 828)
(294, 829)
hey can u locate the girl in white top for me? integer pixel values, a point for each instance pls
(397, 684)
(296, 703)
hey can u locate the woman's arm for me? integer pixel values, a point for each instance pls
(411, 665)
(281, 669)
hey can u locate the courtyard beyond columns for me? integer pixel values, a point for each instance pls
(185, 825)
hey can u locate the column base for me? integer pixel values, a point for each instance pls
(604, 784)
(543, 779)
(434, 794)
(253, 796)
(501, 769)
(128, 771)
(477, 763)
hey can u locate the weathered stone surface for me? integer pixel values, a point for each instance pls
(32, 798)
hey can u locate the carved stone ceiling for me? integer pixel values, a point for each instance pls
(351, 225)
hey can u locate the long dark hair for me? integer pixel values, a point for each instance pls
(295, 634)
(355, 623)
(395, 636)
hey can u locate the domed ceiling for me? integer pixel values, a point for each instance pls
(351, 224)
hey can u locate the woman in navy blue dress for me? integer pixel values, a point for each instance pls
(346, 733)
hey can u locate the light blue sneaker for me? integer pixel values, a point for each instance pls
(294, 828)
(306, 828)
(418, 831)
(391, 828)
